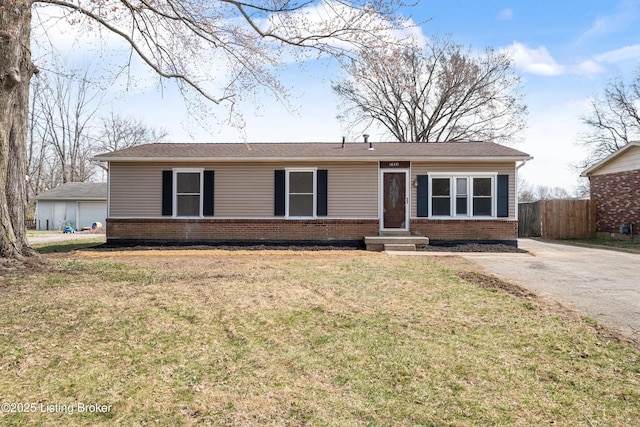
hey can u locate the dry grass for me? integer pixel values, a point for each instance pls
(626, 245)
(290, 338)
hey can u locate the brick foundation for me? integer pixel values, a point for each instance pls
(503, 230)
(229, 230)
(617, 199)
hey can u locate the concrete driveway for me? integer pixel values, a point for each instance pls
(62, 237)
(602, 284)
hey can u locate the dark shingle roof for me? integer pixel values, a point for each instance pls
(314, 151)
(76, 191)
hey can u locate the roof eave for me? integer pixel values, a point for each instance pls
(71, 198)
(587, 172)
(312, 159)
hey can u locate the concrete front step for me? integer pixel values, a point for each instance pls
(408, 247)
(380, 243)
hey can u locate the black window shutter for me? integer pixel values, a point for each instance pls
(321, 187)
(207, 197)
(423, 195)
(503, 196)
(167, 193)
(279, 195)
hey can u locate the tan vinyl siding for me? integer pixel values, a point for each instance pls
(424, 168)
(135, 190)
(628, 161)
(353, 190)
(243, 190)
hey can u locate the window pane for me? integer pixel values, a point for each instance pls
(441, 206)
(461, 186)
(461, 206)
(301, 205)
(301, 182)
(481, 187)
(189, 205)
(482, 206)
(188, 182)
(440, 186)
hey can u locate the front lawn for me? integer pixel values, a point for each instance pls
(299, 338)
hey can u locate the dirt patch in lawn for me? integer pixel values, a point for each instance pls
(439, 246)
(491, 282)
(470, 247)
(202, 253)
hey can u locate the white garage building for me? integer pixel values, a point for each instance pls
(80, 204)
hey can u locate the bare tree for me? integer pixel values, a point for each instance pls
(182, 40)
(528, 192)
(118, 132)
(65, 131)
(65, 105)
(613, 121)
(440, 92)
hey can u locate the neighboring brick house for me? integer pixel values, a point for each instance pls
(615, 190)
(312, 192)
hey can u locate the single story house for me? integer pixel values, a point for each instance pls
(615, 191)
(312, 192)
(80, 204)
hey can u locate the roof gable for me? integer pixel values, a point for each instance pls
(625, 159)
(314, 151)
(76, 191)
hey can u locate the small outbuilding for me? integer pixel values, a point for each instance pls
(282, 192)
(79, 204)
(615, 191)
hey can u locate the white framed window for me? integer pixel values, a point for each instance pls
(187, 191)
(462, 195)
(441, 196)
(483, 196)
(300, 190)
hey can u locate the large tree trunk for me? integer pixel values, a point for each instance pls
(15, 73)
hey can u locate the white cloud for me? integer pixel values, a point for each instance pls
(539, 61)
(551, 140)
(619, 55)
(506, 14)
(534, 61)
(589, 68)
(627, 12)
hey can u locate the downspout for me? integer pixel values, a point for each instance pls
(524, 162)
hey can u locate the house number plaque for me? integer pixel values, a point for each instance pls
(394, 165)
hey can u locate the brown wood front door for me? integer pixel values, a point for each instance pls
(394, 190)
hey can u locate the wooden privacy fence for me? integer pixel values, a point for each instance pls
(557, 219)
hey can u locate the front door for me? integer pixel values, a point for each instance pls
(394, 200)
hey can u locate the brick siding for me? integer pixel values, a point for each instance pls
(505, 230)
(617, 199)
(203, 230)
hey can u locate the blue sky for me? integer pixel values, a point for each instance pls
(565, 50)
